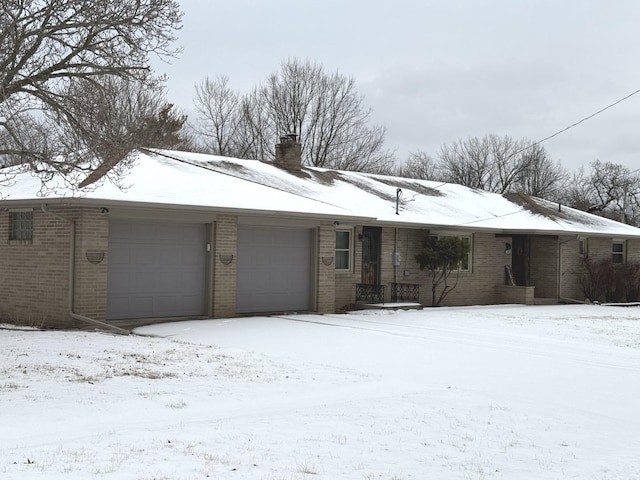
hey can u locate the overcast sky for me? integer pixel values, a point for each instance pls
(437, 71)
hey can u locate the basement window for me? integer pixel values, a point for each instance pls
(21, 225)
(343, 250)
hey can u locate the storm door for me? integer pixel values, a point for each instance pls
(371, 255)
(520, 259)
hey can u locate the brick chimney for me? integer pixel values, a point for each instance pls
(289, 153)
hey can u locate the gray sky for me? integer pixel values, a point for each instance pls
(437, 71)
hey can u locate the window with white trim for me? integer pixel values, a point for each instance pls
(617, 251)
(343, 250)
(21, 225)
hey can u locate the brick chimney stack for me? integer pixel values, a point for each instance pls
(289, 152)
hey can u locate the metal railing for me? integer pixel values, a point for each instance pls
(369, 293)
(405, 292)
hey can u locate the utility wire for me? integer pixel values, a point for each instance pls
(577, 123)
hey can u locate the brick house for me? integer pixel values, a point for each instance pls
(193, 236)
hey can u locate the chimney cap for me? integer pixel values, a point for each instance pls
(289, 138)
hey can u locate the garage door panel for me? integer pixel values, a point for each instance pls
(166, 255)
(156, 269)
(119, 231)
(190, 256)
(142, 232)
(118, 283)
(143, 254)
(273, 269)
(119, 256)
(139, 304)
(169, 234)
(168, 303)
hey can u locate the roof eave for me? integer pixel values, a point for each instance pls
(132, 205)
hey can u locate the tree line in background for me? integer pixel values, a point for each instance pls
(77, 94)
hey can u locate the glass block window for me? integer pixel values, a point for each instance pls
(21, 226)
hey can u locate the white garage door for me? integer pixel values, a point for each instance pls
(274, 269)
(155, 269)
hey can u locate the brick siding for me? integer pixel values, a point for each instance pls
(34, 275)
(326, 278)
(91, 264)
(225, 276)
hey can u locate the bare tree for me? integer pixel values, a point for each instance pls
(50, 48)
(609, 189)
(419, 165)
(541, 176)
(323, 109)
(501, 165)
(579, 192)
(329, 116)
(219, 115)
(111, 117)
(491, 163)
(615, 190)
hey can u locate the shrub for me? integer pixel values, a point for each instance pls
(604, 281)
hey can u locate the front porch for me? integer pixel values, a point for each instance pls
(402, 296)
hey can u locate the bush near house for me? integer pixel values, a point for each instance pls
(442, 256)
(608, 282)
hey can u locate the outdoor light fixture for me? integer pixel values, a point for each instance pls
(507, 248)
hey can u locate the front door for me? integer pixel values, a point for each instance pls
(520, 259)
(371, 255)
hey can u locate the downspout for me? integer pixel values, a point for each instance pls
(560, 297)
(71, 289)
(396, 254)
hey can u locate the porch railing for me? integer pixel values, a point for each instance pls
(369, 293)
(405, 292)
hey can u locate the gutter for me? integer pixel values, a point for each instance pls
(560, 297)
(71, 289)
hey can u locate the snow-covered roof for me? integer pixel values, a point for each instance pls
(180, 179)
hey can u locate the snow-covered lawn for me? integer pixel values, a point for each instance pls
(511, 392)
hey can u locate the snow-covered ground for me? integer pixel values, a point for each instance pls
(511, 392)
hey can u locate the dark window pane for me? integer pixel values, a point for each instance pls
(342, 240)
(342, 260)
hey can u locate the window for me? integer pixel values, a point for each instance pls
(583, 248)
(21, 225)
(617, 250)
(465, 264)
(343, 249)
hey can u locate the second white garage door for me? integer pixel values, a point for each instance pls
(274, 269)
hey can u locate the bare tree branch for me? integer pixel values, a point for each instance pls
(49, 47)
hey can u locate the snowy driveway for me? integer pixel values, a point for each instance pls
(452, 393)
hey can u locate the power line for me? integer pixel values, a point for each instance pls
(577, 123)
